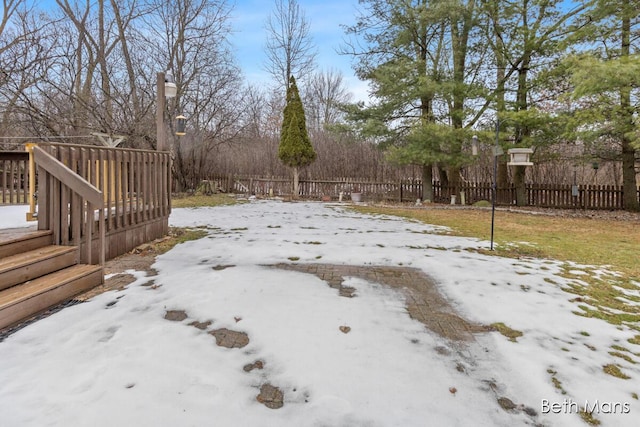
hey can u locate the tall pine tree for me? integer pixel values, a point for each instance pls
(295, 148)
(606, 83)
(415, 56)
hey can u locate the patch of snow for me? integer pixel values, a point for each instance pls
(14, 216)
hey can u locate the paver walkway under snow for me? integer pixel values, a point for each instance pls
(424, 302)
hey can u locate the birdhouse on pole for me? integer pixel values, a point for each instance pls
(520, 157)
(181, 125)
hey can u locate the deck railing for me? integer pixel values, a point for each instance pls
(134, 187)
(67, 205)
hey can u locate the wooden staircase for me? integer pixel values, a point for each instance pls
(35, 274)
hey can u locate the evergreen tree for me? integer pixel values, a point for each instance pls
(441, 70)
(295, 148)
(526, 37)
(606, 83)
(416, 59)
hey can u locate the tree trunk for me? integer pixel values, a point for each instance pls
(444, 179)
(503, 172)
(177, 172)
(629, 186)
(522, 131)
(104, 71)
(521, 189)
(460, 46)
(296, 182)
(454, 180)
(138, 112)
(427, 183)
(502, 180)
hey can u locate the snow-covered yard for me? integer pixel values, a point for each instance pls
(14, 216)
(116, 360)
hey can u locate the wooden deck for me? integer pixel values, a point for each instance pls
(8, 234)
(10, 237)
(95, 203)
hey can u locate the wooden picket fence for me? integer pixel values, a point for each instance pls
(14, 177)
(14, 189)
(540, 195)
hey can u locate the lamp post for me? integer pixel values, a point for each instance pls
(496, 153)
(494, 187)
(518, 157)
(497, 150)
(166, 88)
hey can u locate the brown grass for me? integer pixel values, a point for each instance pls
(196, 201)
(583, 240)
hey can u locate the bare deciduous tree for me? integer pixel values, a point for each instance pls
(324, 94)
(190, 39)
(290, 50)
(25, 46)
(9, 9)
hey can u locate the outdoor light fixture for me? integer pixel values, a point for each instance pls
(474, 145)
(166, 88)
(170, 88)
(181, 125)
(497, 151)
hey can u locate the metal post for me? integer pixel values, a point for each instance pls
(161, 144)
(495, 174)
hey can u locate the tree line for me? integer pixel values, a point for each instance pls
(558, 76)
(516, 73)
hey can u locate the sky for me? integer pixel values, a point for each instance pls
(248, 22)
(116, 360)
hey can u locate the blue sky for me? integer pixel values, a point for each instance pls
(248, 22)
(325, 17)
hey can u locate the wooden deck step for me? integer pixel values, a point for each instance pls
(15, 241)
(19, 268)
(35, 296)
